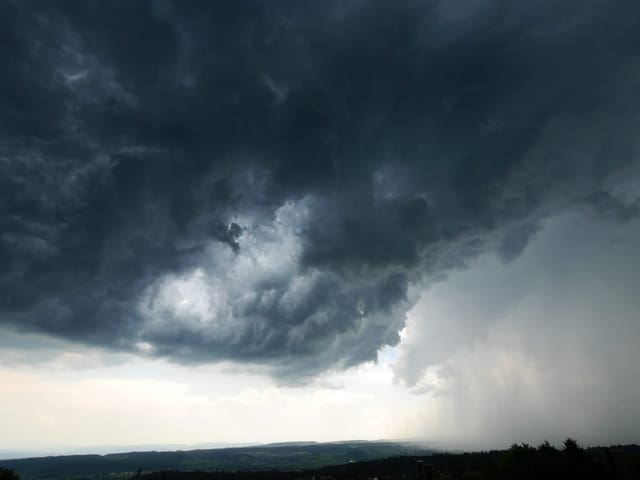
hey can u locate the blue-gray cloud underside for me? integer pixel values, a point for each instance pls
(264, 182)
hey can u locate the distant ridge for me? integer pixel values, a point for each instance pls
(289, 444)
(13, 454)
(275, 456)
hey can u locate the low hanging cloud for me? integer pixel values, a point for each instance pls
(274, 182)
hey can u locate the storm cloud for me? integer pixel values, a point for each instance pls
(274, 182)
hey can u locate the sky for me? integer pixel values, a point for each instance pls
(263, 221)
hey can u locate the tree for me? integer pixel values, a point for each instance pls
(6, 474)
(571, 446)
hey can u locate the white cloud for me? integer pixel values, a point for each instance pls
(152, 402)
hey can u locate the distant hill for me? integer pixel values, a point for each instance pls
(343, 461)
(283, 456)
(108, 449)
(520, 462)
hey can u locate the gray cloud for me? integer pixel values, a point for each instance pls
(264, 182)
(543, 347)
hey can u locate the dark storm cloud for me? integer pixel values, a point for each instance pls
(515, 240)
(153, 153)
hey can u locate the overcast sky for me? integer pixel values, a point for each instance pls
(298, 220)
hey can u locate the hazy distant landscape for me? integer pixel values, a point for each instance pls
(293, 456)
(7, 454)
(341, 461)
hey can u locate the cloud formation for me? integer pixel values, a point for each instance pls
(273, 182)
(540, 349)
